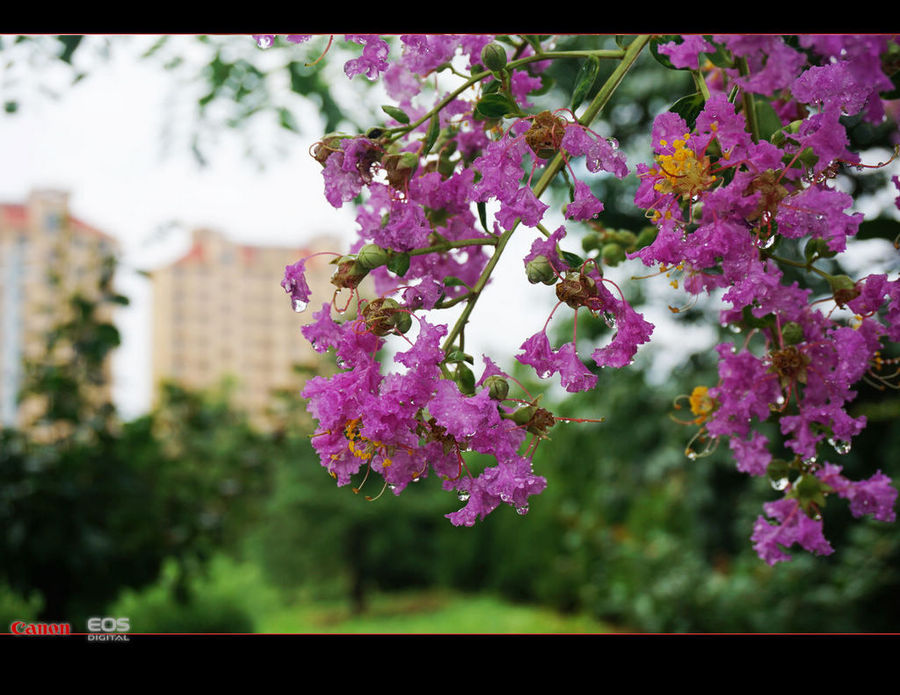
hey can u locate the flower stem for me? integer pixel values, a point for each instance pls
(600, 100)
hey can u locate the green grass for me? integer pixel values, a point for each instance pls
(235, 597)
(426, 612)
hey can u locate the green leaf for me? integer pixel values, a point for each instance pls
(397, 114)
(286, 120)
(767, 120)
(660, 58)
(398, 263)
(495, 105)
(571, 259)
(434, 129)
(451, 281)
(624, 40)
(456, 356)
(465, 379)
(482, 215)
(585, 80)
(491, 87)
(720, 58)
(689, 108)
(70, 44)
(879, 228)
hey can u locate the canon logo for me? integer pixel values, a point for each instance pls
(108, 625)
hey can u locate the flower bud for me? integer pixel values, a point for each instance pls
(844, 289)
(612, 254)
(372, 256)
(497, 386)
(539, 269)
(590, 242)
(792, 333)
(402, 321)
(349, 273)
(646, 237)
(493, 57)
(380, 314)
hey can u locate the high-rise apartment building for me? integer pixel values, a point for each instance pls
(37, 238)
(220, 311)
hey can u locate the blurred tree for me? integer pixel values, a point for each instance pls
(89, 505)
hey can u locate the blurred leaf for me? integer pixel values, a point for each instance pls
(434, 129)
(397, 114)
(585, 80)
(70, 45)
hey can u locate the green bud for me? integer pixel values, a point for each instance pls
(497, 386)
(624, 237)
(539, 269)
(372, 256)
(493, 56)
(374, 133)
(408, 160)
(844, 289)
(402, 321)
(612, 254)
(646, 237)
(524, 414)
(349, 272)
(590, 242)
(792, 333)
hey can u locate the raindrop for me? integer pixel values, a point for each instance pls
(811, 460)
(463, 495)
(264, 40)
(416, 479)
(817, 517)
(691, 454)
(391, 487)
(779, 484)
(768, 243)
(299, 305)
(780, 399)
(505, 497)
(734, 328)
(522, 510)
(613, 143)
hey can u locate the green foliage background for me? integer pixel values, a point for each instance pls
(136, 517)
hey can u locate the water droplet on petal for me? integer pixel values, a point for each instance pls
(463, 495)
(299, 305)
(264, 40)
(522, 510)
(768, 243)
(392, 487)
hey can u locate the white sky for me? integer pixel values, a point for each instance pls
(102, 142)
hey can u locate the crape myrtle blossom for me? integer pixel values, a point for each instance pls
(461, 163)
(720, 200)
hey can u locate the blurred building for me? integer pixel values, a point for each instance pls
(40, 238)
(220, 311)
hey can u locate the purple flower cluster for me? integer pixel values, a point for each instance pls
(720, 197)
(443, 185)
